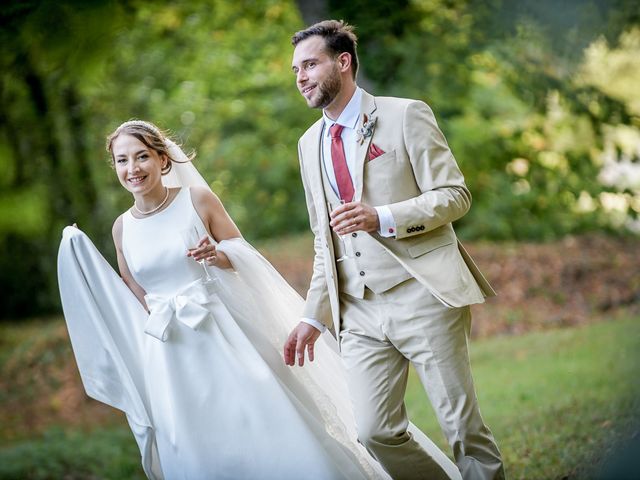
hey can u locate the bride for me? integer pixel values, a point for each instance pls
(187, 341)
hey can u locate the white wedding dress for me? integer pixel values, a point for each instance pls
(201, 378)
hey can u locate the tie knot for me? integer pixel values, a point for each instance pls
(335, 130)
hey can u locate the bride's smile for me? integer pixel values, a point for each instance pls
(136, 180)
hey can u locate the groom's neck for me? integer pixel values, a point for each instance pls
(335, 108)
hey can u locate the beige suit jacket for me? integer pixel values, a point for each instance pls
(419, 180)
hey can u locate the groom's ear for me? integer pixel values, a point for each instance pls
(344, 60)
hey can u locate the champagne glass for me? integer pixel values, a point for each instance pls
(346, 244)
(191, 237)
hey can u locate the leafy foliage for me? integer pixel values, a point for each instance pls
(529, 131)
(215, 74)
(537, 100)
(219, 77)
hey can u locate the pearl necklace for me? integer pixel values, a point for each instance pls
(153, 210)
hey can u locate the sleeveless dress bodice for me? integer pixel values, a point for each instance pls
(154, 249)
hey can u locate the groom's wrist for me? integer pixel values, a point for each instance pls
(314, 323)
(387, 222)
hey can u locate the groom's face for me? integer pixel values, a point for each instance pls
(317, 73)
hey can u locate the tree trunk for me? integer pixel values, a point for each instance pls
(86, 196)
(13, 139)
(313, 11)
(60, 203)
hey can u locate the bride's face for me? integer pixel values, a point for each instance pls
(139, 168)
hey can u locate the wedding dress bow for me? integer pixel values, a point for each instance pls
(188, 306)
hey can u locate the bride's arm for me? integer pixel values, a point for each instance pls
(137, 290)
(218, 222)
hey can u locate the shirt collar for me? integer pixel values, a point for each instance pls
(349, 116)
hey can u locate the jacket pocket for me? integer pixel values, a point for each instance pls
(385, 158)
(428, 245)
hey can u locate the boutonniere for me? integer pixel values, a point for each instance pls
(366, 130)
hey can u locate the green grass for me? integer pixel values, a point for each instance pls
(556, 401)
(109, 453)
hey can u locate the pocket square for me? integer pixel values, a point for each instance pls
(374, 151)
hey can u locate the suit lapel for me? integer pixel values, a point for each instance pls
(367, 110)
(314, 167)
(316, 183)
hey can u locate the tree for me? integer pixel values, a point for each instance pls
(45, 128)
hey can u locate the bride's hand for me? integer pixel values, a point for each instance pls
(205, 250)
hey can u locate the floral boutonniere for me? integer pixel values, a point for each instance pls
(366, 130)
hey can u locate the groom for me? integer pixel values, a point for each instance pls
(389, 276)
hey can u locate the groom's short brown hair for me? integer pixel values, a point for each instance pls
(338, 38)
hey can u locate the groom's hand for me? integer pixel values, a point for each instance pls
(354, 216)
(303, 336)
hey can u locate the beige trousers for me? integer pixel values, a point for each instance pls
(381, 334)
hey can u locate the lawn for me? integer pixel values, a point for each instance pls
(558, 402)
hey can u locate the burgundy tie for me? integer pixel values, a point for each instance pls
(343, 178)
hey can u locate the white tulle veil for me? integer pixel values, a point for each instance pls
(255, 290)
(277, 308)
(183, 173)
